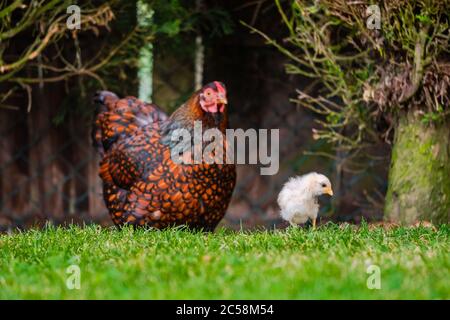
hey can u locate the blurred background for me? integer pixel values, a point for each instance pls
(160, 50)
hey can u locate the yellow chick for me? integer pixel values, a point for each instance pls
(298, 199)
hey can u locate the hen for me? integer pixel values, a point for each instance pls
(142, 185)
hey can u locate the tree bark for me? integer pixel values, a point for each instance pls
(419, 177)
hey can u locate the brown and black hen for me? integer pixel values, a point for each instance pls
(142, 185)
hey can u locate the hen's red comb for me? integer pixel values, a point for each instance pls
(219, 86)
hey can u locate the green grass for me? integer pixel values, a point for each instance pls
(329, 263)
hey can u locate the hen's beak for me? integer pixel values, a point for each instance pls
(328, 190)
(222, 101)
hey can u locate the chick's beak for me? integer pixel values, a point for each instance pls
(328, 190)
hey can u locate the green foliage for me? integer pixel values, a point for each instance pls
(437, 117)
(173, 17)
(329, 263)
(177, 22)
(49, 51)
(366, 77)
(40, 26)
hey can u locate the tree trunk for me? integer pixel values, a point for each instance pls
(419, 177)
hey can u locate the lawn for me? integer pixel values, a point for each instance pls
(328, 263)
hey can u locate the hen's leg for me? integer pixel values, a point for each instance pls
(115, 198)
(314, 223)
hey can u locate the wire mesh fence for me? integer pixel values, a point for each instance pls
(50, 173)
(37, 186)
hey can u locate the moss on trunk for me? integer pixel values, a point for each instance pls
(419, 177)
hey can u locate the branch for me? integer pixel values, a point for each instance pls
(418, 66)
(31, 54)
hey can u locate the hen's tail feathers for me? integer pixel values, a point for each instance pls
(116, 118)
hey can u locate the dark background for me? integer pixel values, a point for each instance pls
(48, 169)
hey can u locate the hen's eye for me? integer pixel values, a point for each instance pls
(323, 185)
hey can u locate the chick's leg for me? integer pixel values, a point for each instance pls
(314, 223)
